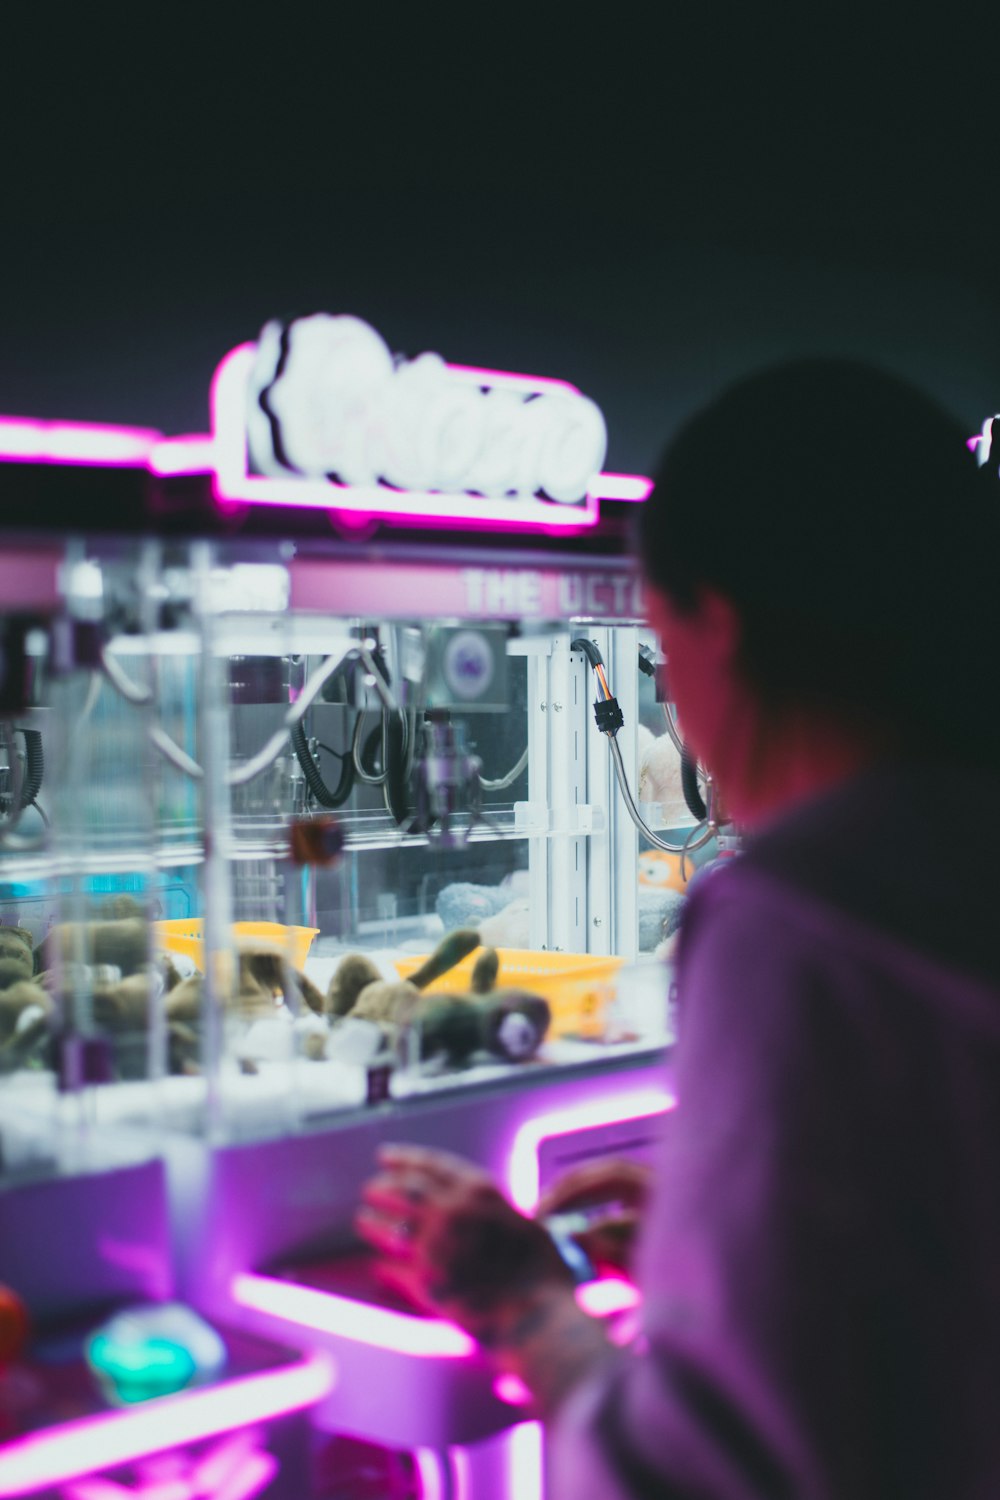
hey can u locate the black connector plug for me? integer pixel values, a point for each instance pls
(608, 715)
(648, 660)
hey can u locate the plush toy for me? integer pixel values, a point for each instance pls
(262, 976)
(16, 955)
(510, 927)
(660, 870)
(353, 972)
(514, 1023)
(509, 1023)
(25, 1007)
(449, 952)
(501, 913)
(387, 1001)
(122, 943)
(484, 971)
(660, 781)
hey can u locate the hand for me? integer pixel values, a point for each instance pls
(609, 1239)
(451, 1242)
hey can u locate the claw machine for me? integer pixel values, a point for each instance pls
(110, 1380)
(358, 725)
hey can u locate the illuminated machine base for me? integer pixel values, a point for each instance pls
(403, 1379)
(413, 1382)
(233, 1438)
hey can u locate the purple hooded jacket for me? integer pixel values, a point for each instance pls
(820, 1266)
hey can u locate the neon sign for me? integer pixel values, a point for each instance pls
(25, 440)
(983, 443)
(320, 414)
(328, 400)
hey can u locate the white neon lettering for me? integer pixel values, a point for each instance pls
(592, 593)
(530, 589)
(620, 587)
(501, 593)
(570, 594)
(474, 588)
(327, 400)
(495, 593)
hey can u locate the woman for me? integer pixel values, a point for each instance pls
(820, 1255)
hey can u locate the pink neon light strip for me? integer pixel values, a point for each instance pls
(622, 487)
(598, 1299)
(48, 1458)
(610, 1294)
(192, 454)
(432, 1481)
(511, 1389)
(25, 440)
(236, 1470)
(460, 1476)
(362, 1322)
(522, 1164)
(253, 1475)
(235, 486)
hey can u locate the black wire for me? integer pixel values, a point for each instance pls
(310, 770)
(340, 754)
(689, 786)
(41, 812)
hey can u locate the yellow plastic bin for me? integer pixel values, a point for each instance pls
(578, 986)
(186, 935)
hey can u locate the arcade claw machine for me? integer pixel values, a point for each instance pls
(358, 818)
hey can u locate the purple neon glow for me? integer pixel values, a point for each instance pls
(326, 1312)
(432, 1481)
(511, 1389)
(622, 487)
(461, 1481)
(194, 453)
(253, 1475)
(25, 440)
(608, 1295)
(526, 1466)
(235, 1469)
(44, 1459)
(522, 1164)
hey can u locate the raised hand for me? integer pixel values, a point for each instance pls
(450, 1242)
(618, 1190)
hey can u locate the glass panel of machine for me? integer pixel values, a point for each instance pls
(259, 865)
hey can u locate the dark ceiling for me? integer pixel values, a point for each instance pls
(645, 214)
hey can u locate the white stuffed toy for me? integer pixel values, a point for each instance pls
(660, 778)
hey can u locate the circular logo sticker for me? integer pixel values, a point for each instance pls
(467, 666)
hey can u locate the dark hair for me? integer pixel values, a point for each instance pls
(840, 510)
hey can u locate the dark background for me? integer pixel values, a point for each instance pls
(637, 206)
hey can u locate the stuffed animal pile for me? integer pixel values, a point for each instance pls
(98, 976)
(107, 961)
(508, 1023)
